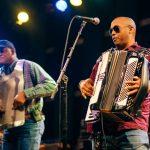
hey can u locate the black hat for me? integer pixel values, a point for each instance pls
(6, 43)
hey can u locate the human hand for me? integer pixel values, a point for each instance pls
(133, 86)
(19, 100)
(86, 87)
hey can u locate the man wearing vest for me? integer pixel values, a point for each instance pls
(23, 84)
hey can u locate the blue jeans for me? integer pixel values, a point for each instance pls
(127, 140)
(26, 137)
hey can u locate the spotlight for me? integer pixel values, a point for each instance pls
(22, 17)
(76, 2)
(61, 5)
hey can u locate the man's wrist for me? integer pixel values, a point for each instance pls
(80, 83)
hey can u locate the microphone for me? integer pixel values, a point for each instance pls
(94, 20)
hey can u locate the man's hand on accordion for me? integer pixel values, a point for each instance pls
(86, 87)
(133, 86)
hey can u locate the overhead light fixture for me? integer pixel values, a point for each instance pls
(76, 2)
(22, 17)
(61, 5)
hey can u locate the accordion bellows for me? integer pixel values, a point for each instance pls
(110, 97)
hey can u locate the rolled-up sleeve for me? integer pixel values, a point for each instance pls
(44, 84)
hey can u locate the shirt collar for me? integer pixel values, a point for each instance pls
(9, 68)
(134, 47)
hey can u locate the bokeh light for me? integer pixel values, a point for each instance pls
(76, 2)
(22, 17)
(61, 5)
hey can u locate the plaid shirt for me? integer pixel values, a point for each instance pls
(37, 83)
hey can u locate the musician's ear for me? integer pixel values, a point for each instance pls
(131, 30)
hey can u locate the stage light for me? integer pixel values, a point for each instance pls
(76, 2)
(61, 5)
(22, 17)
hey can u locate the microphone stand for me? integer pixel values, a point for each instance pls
(63, 127)
(62, 82)
(63, 70)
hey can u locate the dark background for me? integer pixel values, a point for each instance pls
(42, 40)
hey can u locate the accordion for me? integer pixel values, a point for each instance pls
(110, 97)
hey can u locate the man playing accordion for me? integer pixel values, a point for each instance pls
(128, 134)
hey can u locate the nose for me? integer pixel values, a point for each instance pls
(113, 33)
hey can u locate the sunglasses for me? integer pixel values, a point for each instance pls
(115, 28)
